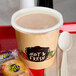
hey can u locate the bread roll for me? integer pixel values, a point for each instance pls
(14, 67)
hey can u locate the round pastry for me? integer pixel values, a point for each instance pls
(14, 67)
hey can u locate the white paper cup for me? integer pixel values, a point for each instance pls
(31, 41)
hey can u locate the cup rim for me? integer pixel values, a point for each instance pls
(38, 31)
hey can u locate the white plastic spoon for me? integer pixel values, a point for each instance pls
(65, 43)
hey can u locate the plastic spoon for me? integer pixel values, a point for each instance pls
(65, 43)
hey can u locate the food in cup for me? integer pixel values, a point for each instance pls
(36, 21)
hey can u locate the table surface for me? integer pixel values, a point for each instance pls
(8, 41)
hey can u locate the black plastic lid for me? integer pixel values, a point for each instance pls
(45, 3)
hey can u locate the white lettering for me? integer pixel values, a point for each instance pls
(37, 58)
(39, 53)
(42, 58)
(43, 54)
(31, 57)
(34, 58)
(31, 54)
(35, 54)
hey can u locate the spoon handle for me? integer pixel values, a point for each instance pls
(64, 65)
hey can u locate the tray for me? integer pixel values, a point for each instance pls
(8, 40)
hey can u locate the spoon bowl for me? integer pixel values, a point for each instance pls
(65, 41)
